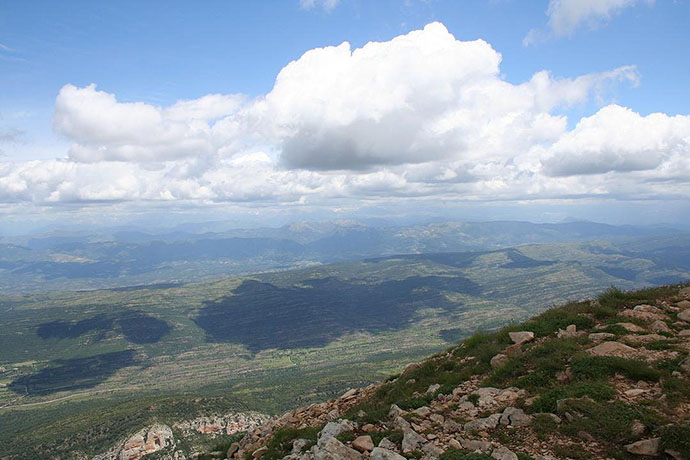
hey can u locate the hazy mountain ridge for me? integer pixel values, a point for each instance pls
(90, 261)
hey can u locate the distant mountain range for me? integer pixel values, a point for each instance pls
(78, 260)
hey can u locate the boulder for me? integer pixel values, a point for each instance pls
(684, 333)
(437, 418)
(363, 444)
(332, 449)
(395, 411)
(297, 445)
(499, 360)
(599, 336)
(569, 332)
(659, 326)
(454, 444)
(423, 411)
(411, 440)
(685, 365)
(612, 349)
(234, 447)
(333, 429)
(647, 308)
(475, 446)
(630, 327)
(521, 337)
(503, 453)
(648, 447)
(480, 424)
(513, 416)
(258, 453)
(387, 444)
(683, 304)
(684, 315)
(433, 388)
(380, 453)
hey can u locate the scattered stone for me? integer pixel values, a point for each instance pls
(521, 337)
(647, 308)
(569, 332)
(433, 388)
(234, 447)
(144, 442)
(554, 417)
(684, 333)
(612, 349)
(660, 326)
(642, 339)
(423, 411)
(363, 444)
(499, 360)
(475, 446)
(514, 350)
(380, 453)
(635, 392)
(395, 411)
(685, 365)
(683, 304)
(599, 336)
(630, 327)
(637, 428)
(641, 315)
(349, 394)
(297, 445)
(451, 426)
(387, 444)
(644, 447)
(503, 453)
(437, 418)
(368, 428)
(454, 444)
(258, 453)
(685, 292)
(674, 453)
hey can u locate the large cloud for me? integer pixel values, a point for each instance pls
(105, 129)
(618, 139)
(423, 116)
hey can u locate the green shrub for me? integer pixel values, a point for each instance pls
(538, 367)
(281, 444)
(609, 422)
(598, 391)
(393, 436)
(558, 318)
(676, 390)
(543, 425)
(574, 451)
(598, 367)
(676, 437)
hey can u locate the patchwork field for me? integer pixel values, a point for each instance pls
(274, 341)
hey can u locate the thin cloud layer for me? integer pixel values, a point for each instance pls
(566, 16)
(422, 116)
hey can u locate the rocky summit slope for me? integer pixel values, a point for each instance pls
(602, 379)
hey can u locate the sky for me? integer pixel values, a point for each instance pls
(273, 111)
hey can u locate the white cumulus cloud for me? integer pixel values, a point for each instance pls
(423, 116)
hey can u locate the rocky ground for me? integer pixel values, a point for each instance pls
(603, 379)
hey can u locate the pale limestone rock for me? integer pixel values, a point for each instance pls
(612, 349)
(385, 454)
(499, 360)
(645, 447)
(521, 337)
(411, 440)
(503, 453)
(363, 444)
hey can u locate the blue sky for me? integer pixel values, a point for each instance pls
(158, 53)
